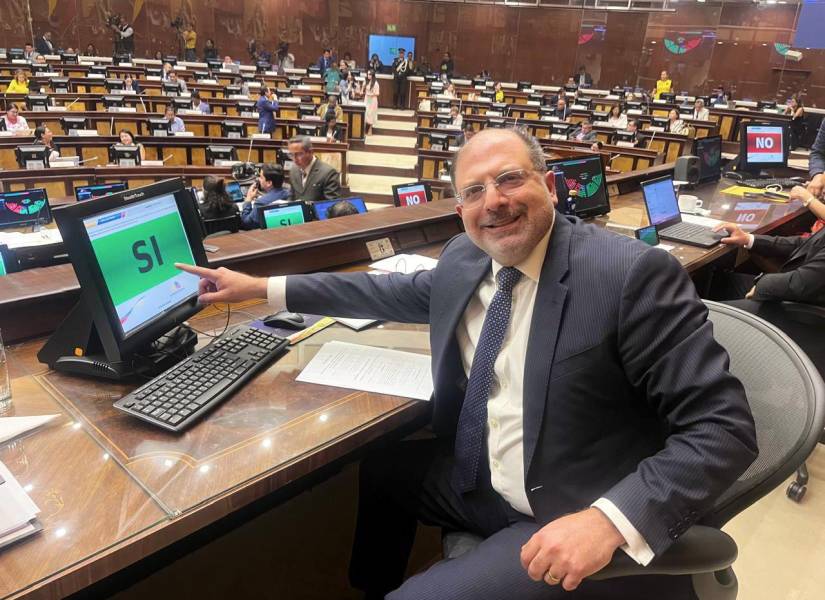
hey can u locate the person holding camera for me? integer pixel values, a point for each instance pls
(268, 188)
(124, 35)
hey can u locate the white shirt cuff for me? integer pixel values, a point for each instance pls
(636, 546)
(751, 240)
(276, 292)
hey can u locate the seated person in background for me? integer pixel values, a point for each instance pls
(311, 179)
(356, 88)
(349, 60)
(229, 65)
(699, 111)
(20, 83)
(200, 105)
(664, 85)
(466, 134)
(166, 72)
(499, 97)
(331, 131)
(456, 118)
(216, 201)
(127, 138)
(267, 106)
(130, 85)
(426, 105)
(375, 64)
(244, 85)
(331, 106)
(176, 122)
(674, 123)
(584, 133)
(342, 208)
(91, 50)
(583, 79)
(617, 118)
(268, 188)
(43, 135)
(173, 78)
(39, 60)
(633, 127)
(450, 91)
(29, 53)
(15, 122)
(801, 278)
(210, 51)
(596, 146)
(158, 55)
(561, 112)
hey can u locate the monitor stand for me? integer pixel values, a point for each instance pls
(76, 348)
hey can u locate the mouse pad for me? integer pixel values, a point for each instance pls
(313, 324)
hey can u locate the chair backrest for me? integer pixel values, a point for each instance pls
(232, 223)
(787, 398)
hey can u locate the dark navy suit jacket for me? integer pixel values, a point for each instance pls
(626, 393)
(817, 160)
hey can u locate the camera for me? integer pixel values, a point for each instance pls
(113, 20)
(244, 170)
(177, 23)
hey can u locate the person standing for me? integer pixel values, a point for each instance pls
(267, 106)
(371, 93)
(43, 44)
(332, 77)
(446, 68)
(311, 179)
(375, 63)
(399, 75)
(190, 41)
(664, 85)
(325, 61)
(210, 51)
(796, 112)
(285, 59)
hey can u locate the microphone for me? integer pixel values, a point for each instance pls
(142, 104)
(249, 154)
(165, 159)
(112, 126)
(81, 162)
(68, 106)
(650, 141)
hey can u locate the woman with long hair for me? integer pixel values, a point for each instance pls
(216, 201)
(371, 92)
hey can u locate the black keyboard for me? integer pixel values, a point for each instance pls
(175, 399)
(763, 183)
(692, 233)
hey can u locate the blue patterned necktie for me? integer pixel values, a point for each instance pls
(469, 438)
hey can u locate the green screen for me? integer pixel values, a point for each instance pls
(283, 217)
(120, 261)
(2, 266)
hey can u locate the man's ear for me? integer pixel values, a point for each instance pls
(550, 182)
(459, 209)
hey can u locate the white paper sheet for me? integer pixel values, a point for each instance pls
(405, 263)
(371, 369)
(11, 427)
(16, 508)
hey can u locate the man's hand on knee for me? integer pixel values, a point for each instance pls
(569, 549)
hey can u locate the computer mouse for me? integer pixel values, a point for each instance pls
(285, 320)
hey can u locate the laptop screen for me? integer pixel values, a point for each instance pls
(661, 202)
(323, 206)
(88, 192)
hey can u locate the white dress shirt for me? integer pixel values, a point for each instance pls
(505, 434)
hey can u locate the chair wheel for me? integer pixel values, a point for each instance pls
(796, 492)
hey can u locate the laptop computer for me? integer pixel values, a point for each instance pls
(663, 211)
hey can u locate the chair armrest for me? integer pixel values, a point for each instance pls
(700, 550)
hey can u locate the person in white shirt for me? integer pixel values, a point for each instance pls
(15, 122)
(617, 118)
(574, 412)
(699, 111)
(674, 123)
(456, 118)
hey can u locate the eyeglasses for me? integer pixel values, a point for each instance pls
(507, 183)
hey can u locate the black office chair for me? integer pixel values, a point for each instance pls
(804, 324)
(787, 397)
(222, 226)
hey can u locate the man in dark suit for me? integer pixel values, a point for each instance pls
(580, 404)
(801, 276)
(311, 179)
(583, 79)
(325, 61)
(816, 164)
(400, 68)
(43, 44)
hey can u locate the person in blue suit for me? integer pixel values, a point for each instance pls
(580, 407)
(816, 164)
(267, 106)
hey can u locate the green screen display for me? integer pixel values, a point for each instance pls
(2, 266)
(283, 216)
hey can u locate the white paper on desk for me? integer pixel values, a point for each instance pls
(665, 247)
(370, 369)
(405, 263)
(356, 324)
(16, 508)
(11, 427)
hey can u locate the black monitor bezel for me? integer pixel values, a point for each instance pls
(717, 175)
(745, 165)
(210, 151)
(9, 259)
(39, 220)
(93, 288)
(595, 211)
(115, 148)
(42, 150)
(672, 221)
(307, 210)
(427, 190)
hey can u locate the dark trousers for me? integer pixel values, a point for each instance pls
(190, 55)
(411, 482)
(399, 97)
(728, 285)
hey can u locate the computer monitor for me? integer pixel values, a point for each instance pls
(246, 108)
(634, 105)
(546, 112)
(182, 103)
(153, 71)
(278, 215)
(479, 81)
(201, 75)
(159, 127)
(443, 121)
(496, 123)
(442, 105)
(171, 59)
(89, 192)
(763, 145)
(766, 105)
(70, 124)
(124, 155)
(439, 141)
(25, 207)
(499, 106)
(410, 194)
(233, 129)
(171, 88)
(294, 80)
(430, 78)
(38, 69)
(660, 202)
(627, 137)
(586, 176)
(15, 54)
(113, 102)
(323, 206)
(235, 191)
(232, 90)
(121, 59)
(488, 94)
(98, 70)
(570, 87)
(194, 198)
(436, 87)
(524, 85)
(284, 93)
(262, 66)
(585, 102)
(659, 122)
(68, 58)
(709, 151)
(668, 97)
(32, 156)
(561, 128)
(686, 111)
(214, 63)
(536, 98)
(114, 84)
(308, 129)
(60, 85)
(216, 155)
(600, 115)
(37, 102)
(9, 262)
(123, 249)
(306, 110)
(313, 70)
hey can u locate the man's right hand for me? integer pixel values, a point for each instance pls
(817, 185)
(224, 285)
(736, 237)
